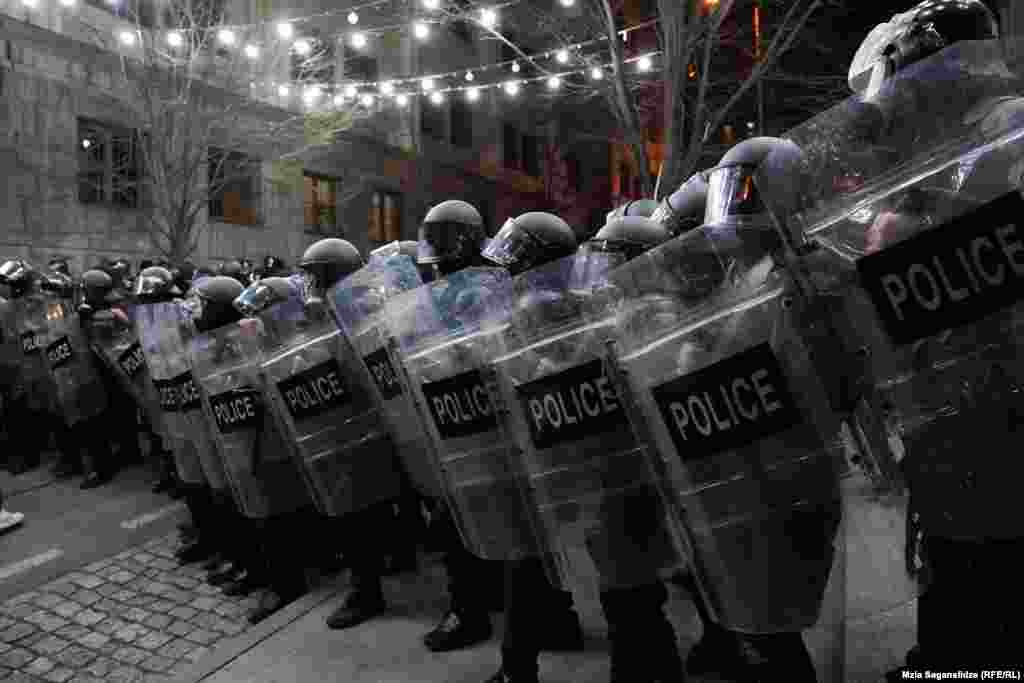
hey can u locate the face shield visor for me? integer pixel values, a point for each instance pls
(596, 259)
(255, 299)
(733, 198)
(150, 286)
(445, 240)
(514, 248)
(13, 271)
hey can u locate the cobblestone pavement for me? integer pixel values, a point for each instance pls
(135, 617)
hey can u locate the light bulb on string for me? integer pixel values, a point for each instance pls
(285, 30)
(554, 82)
(567, 3)
(127, 38)
(251, 51)
(311, 94)
(402, 100)
(512, 88)
(488, 17)
(644, 63)
(302, 47)
(283, 90)
(515, 67)
(597, 73)
(436, 98)
(387, 87)
(353, 18)
(359, 40)
(470, 76)
(86, 143)
(339, 100)
(175, 39)
(421, 30)
(430, 4)
(67, 3)
(562, 56)
(473, 94)
(428, 84)
(29, 3)
(366, 100)
(226, 37)
(351, 91)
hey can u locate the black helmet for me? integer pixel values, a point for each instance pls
(96, 287)
(683, 210)
(530, 240)
(213, 302)
(234, 269)
(324, 263)
(634, 207)
(156, 284)
(619, 241)
(58, 284)
(916, 34)
(451, 237)
(183, 275)
(59, 264)
(274, 266)
(261, 295)
(19, 275)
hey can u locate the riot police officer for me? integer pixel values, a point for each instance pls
(634, 207)
(234, 269)
(643, 644)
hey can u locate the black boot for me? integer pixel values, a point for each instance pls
(505, 677)
(364, 601)
(776, 656)
(459, 629)
(643, 642)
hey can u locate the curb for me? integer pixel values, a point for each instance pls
(228, 652)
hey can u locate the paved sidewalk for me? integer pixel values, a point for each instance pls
(137, 616)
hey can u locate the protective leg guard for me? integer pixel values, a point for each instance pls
(643, 642)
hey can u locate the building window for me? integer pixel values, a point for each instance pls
(434, 120)
(462, 123)
(510, 146)
(236, 184)
(385, 224)
(109, 164)
(531, 155)
(321, 205)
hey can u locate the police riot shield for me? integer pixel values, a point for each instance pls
(264, 479)
(921, 254)
(30, 325)
(81, 395)
(115, 340)
(445, 331)
(330, 414)
(588, 472)
(728, 392)
(358, 302)
(159, 327)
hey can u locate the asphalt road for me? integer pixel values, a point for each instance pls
(66, 527)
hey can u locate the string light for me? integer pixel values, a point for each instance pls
(402, 100)
(597, 73)
(554, 82)
(28, 3)
(285, 30)
(86, 143)
(436, 98)
(67, 3)
(339, 100)
(366, 100)
(430, 4)
(311, 94)
(470, 76)
(420, 30)
(353, 18)
(359, 40)
(302, 47)
(567, 3)
(562, 56)
(488, 17)
(515, 67)
(226, 37)
(644, 63)
(127, 38)
(283, 90)
(351, 91)
(473, 94)
(428, 84)
(251, 51)
(175, 39)
(512, 88)
(387, 87)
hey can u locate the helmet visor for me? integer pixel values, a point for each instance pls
(733, 195)
(13, 270)
(313, 288)
(442, 240)
(254, 300)
(511, 245)
(150, 285)
(596, 259)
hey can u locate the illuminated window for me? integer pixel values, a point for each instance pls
(109, 164)
(321, 205)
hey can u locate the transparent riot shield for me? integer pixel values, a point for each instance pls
(31, 330)
(159, 328)
(358, 303)
(918, 229)
(81, 395)
(445, 332)
(588, 474)
(115, 340)
(264, 479)
(330, 414)
(749, 452)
